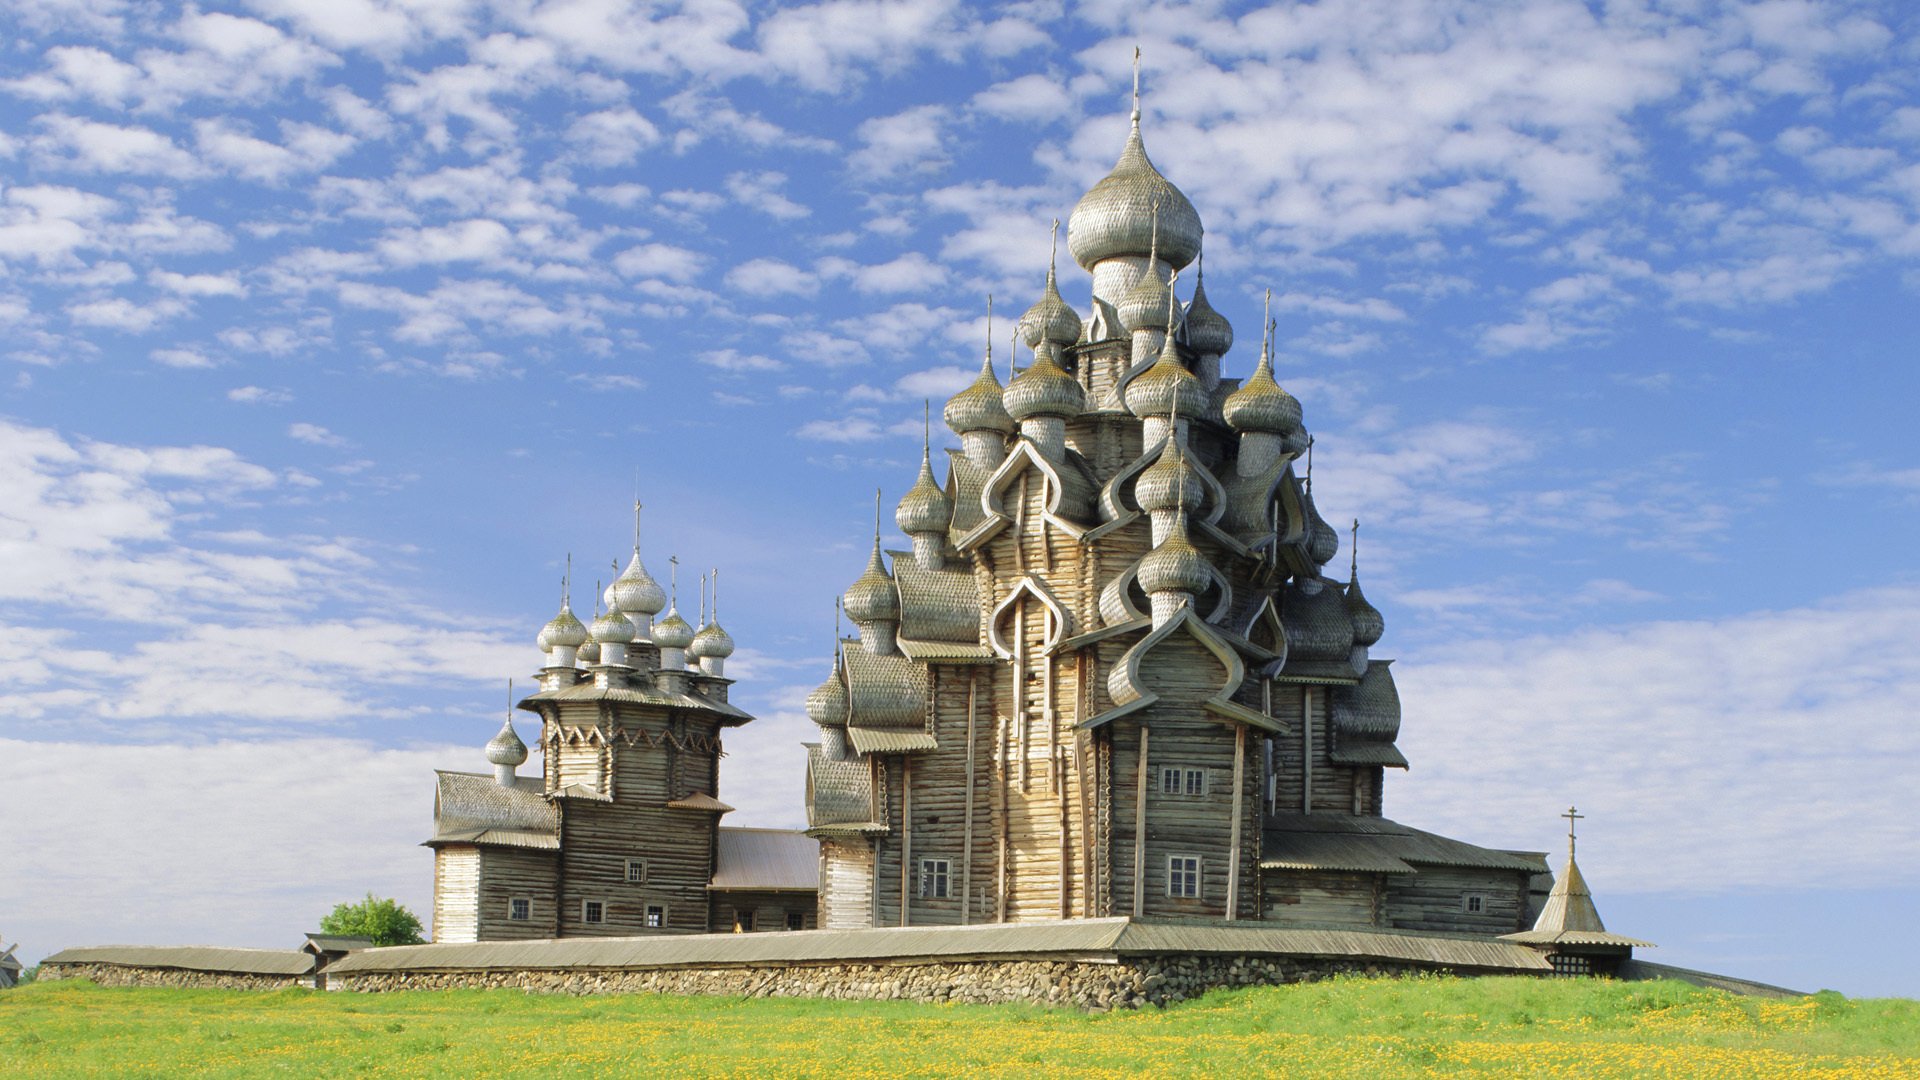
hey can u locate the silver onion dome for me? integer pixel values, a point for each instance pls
(1166, 387)
(711, 641)
(672, 631)
(563, 630)
(1176, 565)
(1050, 319)
(925, 507)
(1369, 626)
(827, 705)
(1322, 542)
(981, 406)
(1044, 389)
(1260, 404)
(1144, 307)
(635, 590)
(589, 653)
(1169, 483)
(1208, 332)
(1115, 217)
(614, 628)
(506, 747)
(872, 597)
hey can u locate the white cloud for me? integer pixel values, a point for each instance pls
(663, 261)
(119, 313)
(258, 395)
(198, 284)
(734, 360)
(190, 359)
(611, 136)
(1033, 97)
(315, 435)
(761, 191)
(772, 277)
(71, 142)
(912, 141)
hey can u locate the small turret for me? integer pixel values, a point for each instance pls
(671, 634)
(1051, 320)
(563, 635)
(1167, 487)
(505, 751)
(925, 512)
(872, 602)
(634, 593)
(1266, 416)
(1369, 626)
(1208, 333)
(978, 414)
(712, 645)
(828, 705)
(1165, 395)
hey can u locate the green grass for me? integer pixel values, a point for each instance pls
(1343, 1027)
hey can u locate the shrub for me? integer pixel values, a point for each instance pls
(386, 921)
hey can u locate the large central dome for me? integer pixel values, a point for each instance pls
(1116, 217)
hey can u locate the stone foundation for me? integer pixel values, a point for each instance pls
(117, 975)
(1095, 986)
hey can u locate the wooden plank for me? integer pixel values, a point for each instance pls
(1140, 830)
(906, 839)
(1233, 843)
(966, 841)
(1306, 750)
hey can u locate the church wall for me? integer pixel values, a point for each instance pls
(1180, 825)
(940, 797)
(1435, 899)
(846, 884)
(1321, 898)
(766, 912)
(1332, 785)
(456, 893)
(507, 873)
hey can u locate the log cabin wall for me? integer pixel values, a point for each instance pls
(1439, 898)
(846, 884)
(456, 893)
(1323, 898)
(507, 874)
(760, 912)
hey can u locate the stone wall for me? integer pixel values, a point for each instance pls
(1095, 986)
(117, 975)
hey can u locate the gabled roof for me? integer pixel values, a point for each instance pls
(192, 958)
(766, 859)
(936, 605)
(471, 808)
(638, 695)
(1569, 917)
(699, 800)
(336, 943)
(1296, 841)
(1131, 694)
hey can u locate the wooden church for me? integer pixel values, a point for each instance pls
(1114, 676)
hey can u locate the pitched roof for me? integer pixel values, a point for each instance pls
(338, 942)
(936, 605)
(766, 859)
(192, 958)
(471, 808)
(838, 792)
(885, 691)
(1569, 917)
(1296, 841)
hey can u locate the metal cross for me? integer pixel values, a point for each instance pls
(1572, 815)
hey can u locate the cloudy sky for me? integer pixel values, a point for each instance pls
(330, 329)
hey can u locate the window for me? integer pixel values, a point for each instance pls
(743, 921)
(1564, 965)
(656, 916)
(1183, 876)
(519, 909)
(636, 871)
(1178, 781)
(934, 876)
(593, 911)
(1473, 903)
(796, 921)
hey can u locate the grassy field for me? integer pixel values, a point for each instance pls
(1340, 1028)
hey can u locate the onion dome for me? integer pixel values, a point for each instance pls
(1368, 625)
(1208, 332)
(1045, 389)
(672, 631)
(1116, 216)
(634, 590)
(614, 628)
(925, 508)
(1050, 318)
(1176, 565)
(1169, 483)
(506, 747)
(588, 653)
(564, 630)
(872, 597)
(1260, 404)
(1322, 542)
(1145, 305)
(1166, 387)
(711, 641)
(827, 705)
(981, 406)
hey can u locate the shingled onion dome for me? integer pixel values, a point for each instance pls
(613, 632)
(872, 601)
(505, 752)
(712, 645)
(1261, 405)
(827, 705)
(1175, 572)
(1144, 307)
(635, 592)
(1050, 319)
(1169, 484)
(978, 414)
(1208, 332)
(589, 651)
(925, 512)
(1322, 542)
(562, 635)
(672, 632)
(1368, 624)
(1114, 217)
(1167, 389)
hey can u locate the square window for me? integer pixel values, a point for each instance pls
(796, 921)
(656, 916)
(1169, 781)
(1196, 781)
(519, 909)
(1473, 903)
(743, 922)
(1183, 876)
(636, 871)
(593, 911)
(934, 878)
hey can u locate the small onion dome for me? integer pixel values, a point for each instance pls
(1116, 216)
(1050, 319)
(1044, 389)
(672, 632)
(1322, 542)
(1176, 565)
(1166, 387)
(872, 598)
(565, 629)
(588, 653)
(827, 705)
(506, 747)
(980, 407)
(635, 590)
(1260, 404)
(925, 508)
(1368, 625)
(1144, 307)
(1169, 483)
(614, 627)
(1208, 332)
(711, 641)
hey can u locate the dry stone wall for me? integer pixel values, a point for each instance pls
(117, 975)
(1091, 985)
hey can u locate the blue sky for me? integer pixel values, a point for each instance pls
(330, 329)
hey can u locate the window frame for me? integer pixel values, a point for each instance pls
(587, 912)
(936, 872)
(796, 920)
(1473, 903)
(632, 865)
(1181, 877)
(647, 917)
(520, 903)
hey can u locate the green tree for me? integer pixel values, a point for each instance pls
(386, 921)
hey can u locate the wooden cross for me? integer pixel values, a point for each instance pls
(1572, 815)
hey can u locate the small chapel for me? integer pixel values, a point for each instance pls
(1116, 674)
